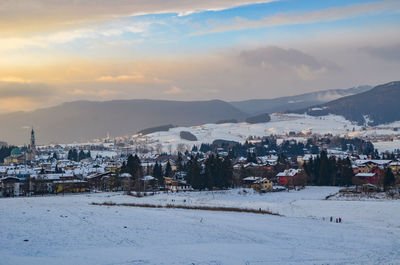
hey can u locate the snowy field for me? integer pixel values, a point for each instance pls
(69, 230)
(388, 146)
(280, 124)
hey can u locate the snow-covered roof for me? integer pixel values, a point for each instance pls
(251, 178)
(365, 175)
(288, 173)
(261, 180)
(374, 161)
(147, 178)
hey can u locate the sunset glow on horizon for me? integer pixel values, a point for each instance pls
(57, 51)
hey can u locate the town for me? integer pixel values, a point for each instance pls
(265, 164)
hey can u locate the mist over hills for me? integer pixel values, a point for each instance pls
(85, 120)
(379, 105)
(282, 104)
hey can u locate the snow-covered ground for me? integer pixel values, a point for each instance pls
(69, 230)
(388, 146)
(280, 124)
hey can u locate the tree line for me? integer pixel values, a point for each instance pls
(74, 155)
(330, 171)
(216, 173)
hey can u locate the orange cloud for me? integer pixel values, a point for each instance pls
(121, 78)
(173, 91)
(18, 104)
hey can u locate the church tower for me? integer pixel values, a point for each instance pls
(33, 142)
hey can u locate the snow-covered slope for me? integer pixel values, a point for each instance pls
(280, 124)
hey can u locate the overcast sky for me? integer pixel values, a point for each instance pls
(57, 51)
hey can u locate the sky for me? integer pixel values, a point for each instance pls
(58, 51)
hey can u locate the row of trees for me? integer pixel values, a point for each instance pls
(324, 170)
(329, 171)
(217, 173)
(74, 155)
(268, 145)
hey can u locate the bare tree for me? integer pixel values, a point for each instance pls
(300, 179)
(181, 148)
(159, 148)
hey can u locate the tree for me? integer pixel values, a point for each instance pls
(227, 173)
(70, 155)
(81, 155)
(168, 170)
(388, 178)
(251, 157)
(115, 182)
(134, 167)
(157, 173)
(73, 155)
(314, 149)
(179, 162)
(300, 179)
(208, 172)
(346, 172)
(194, 176)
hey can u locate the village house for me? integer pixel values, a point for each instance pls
(175, 185)
(16, 157)
(367, 177)
(395, 167)
(248, 181)
(99, 181)
(286, 177)
(262, 185)
(9, 186)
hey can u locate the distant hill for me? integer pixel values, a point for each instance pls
(259, 106)
(379, 105)
(162, 128)
(85, 120)
(261, 118)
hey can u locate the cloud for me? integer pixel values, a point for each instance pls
(20, 17)
(23, 96)
(173, 91)
(121, 78)
(13, 79)
(324, 15)
(271, 58)
(274, 55)
(136, 78)
(263, 72)
(386, 53)
(23, 89)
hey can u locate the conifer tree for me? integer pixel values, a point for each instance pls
(168, 170)
(194, 176)
(388, 178)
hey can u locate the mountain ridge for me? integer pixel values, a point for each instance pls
(380, 105)
(282, 104)
(86, 120)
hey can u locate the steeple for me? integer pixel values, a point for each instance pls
(33, 141)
